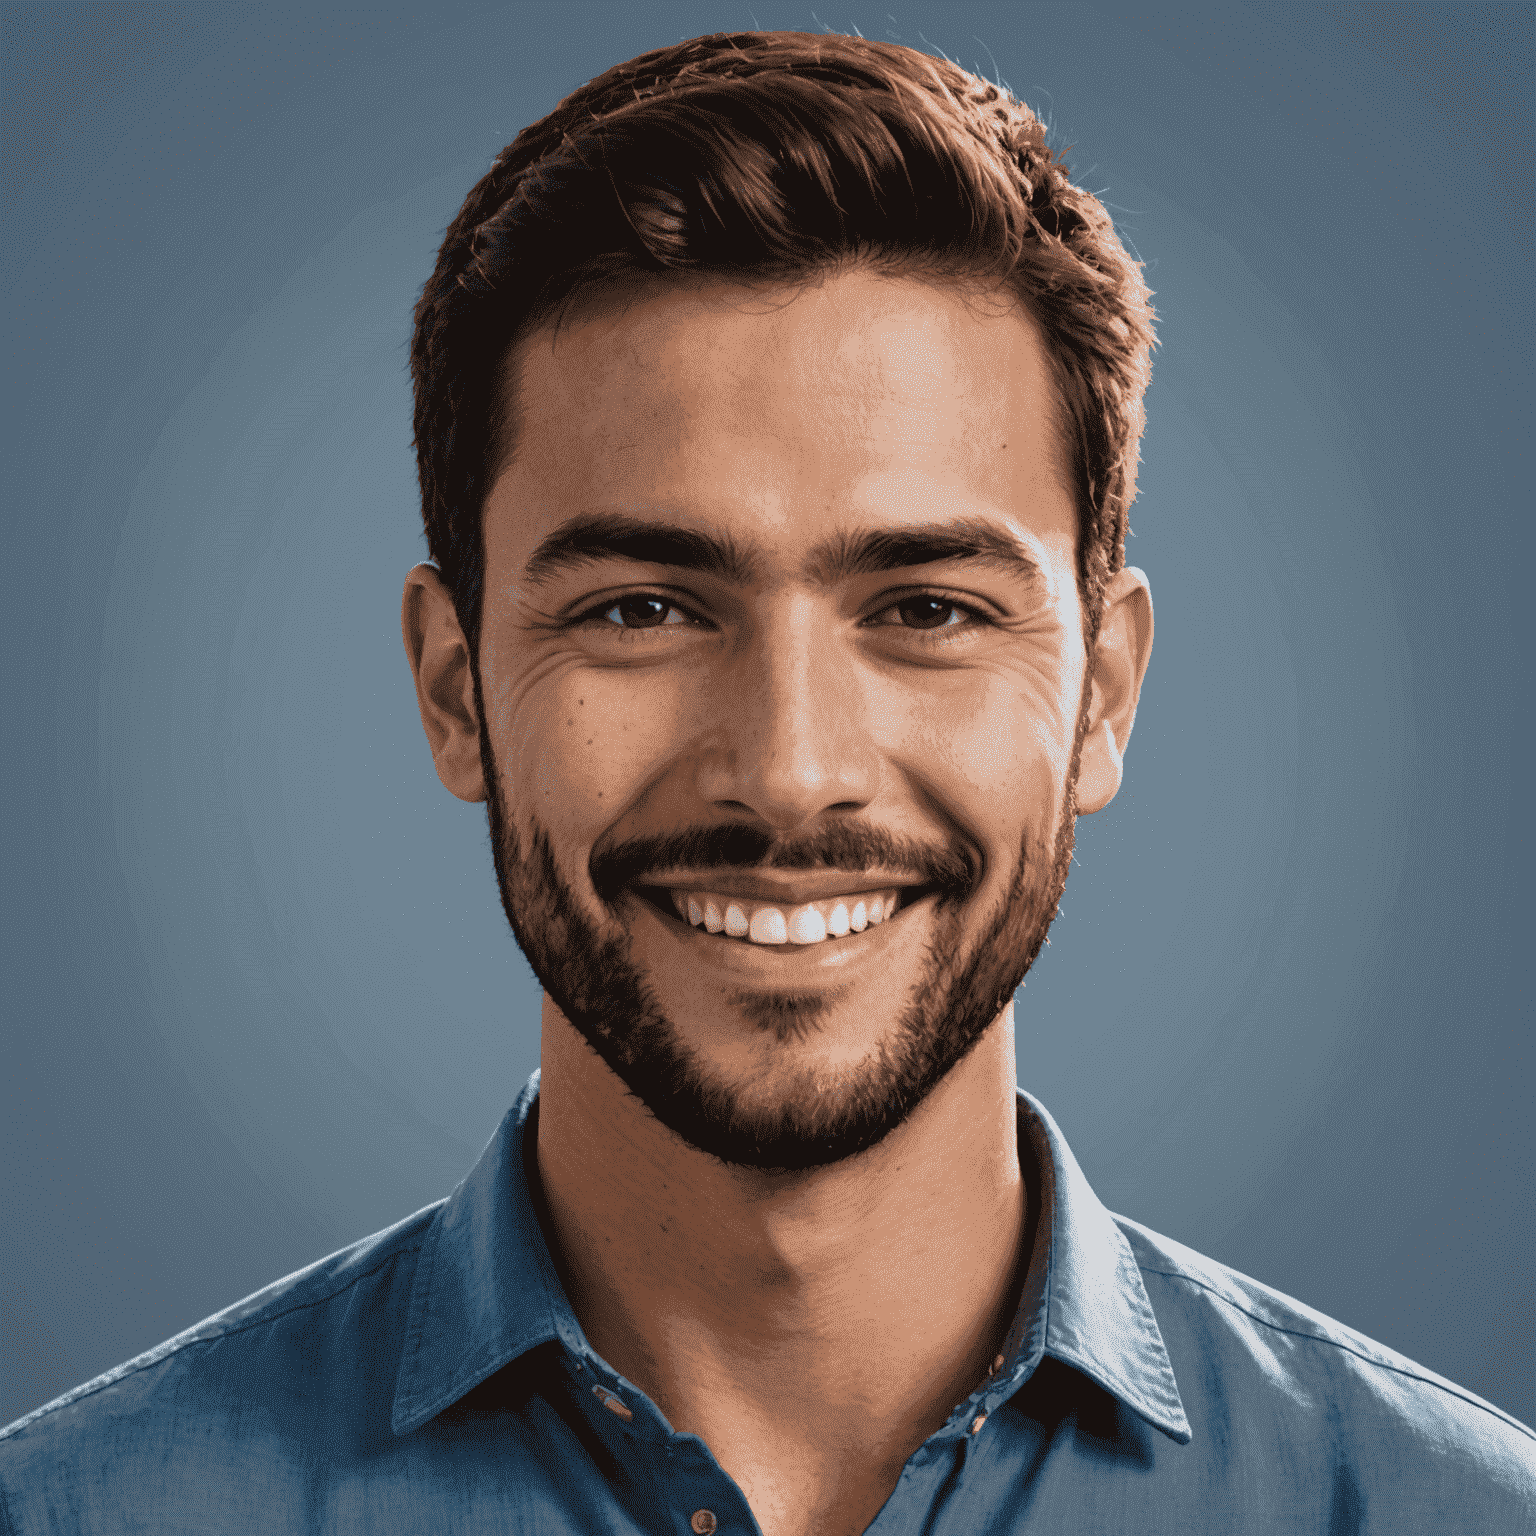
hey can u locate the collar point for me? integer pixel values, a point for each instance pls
(408, 1418)
(1169, 1420)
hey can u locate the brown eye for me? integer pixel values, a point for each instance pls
(639, 611)
(926, 612)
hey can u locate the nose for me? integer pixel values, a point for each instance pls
(790, 739)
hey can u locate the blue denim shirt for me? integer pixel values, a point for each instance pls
(434, 1378)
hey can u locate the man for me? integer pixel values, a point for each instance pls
(778, 402)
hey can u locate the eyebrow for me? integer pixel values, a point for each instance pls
(590, 537)
(969, 540)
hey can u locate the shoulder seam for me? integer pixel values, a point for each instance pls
(110, 1378)
(1320, 1338)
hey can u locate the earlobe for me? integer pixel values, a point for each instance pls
(1100, 769)
(1119, 663)
(445, 694)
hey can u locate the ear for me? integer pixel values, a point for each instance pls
(1118, 662)
(445, 687)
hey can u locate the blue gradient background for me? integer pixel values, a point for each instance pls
(260, 997)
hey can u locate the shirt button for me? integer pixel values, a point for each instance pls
(977, 1422)
(703, 1521)
(611, 1403)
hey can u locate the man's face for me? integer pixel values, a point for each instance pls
(781, 621)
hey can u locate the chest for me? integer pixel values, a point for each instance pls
(788, 1504)
(795, 1493)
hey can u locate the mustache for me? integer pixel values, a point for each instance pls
(955, 871)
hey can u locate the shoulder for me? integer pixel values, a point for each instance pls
(257, 1379)
(1235, 1342)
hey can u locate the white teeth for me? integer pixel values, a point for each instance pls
(809, 923)
(767, 926)
(807, 926)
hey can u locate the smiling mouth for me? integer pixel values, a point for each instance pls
(749, 921)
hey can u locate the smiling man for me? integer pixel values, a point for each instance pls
(778, 402)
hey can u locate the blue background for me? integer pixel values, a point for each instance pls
(260, 997)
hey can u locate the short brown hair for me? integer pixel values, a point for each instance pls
(770, 157)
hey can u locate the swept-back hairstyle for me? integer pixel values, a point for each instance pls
(769, 157)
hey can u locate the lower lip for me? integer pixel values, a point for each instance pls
(828, 959)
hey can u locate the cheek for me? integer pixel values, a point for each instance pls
(577, 746)
(996, 749)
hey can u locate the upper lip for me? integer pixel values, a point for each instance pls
(786, 890)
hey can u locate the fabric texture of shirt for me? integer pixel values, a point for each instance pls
(434, 1378)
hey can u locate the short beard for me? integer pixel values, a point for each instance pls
(585, 967)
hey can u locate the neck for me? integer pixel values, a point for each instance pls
(873, 1292)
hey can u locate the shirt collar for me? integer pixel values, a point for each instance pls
(486, 1290)
(1084, 1302)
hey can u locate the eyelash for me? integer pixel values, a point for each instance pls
(597, 616)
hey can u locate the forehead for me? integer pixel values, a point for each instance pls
(858, 400)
